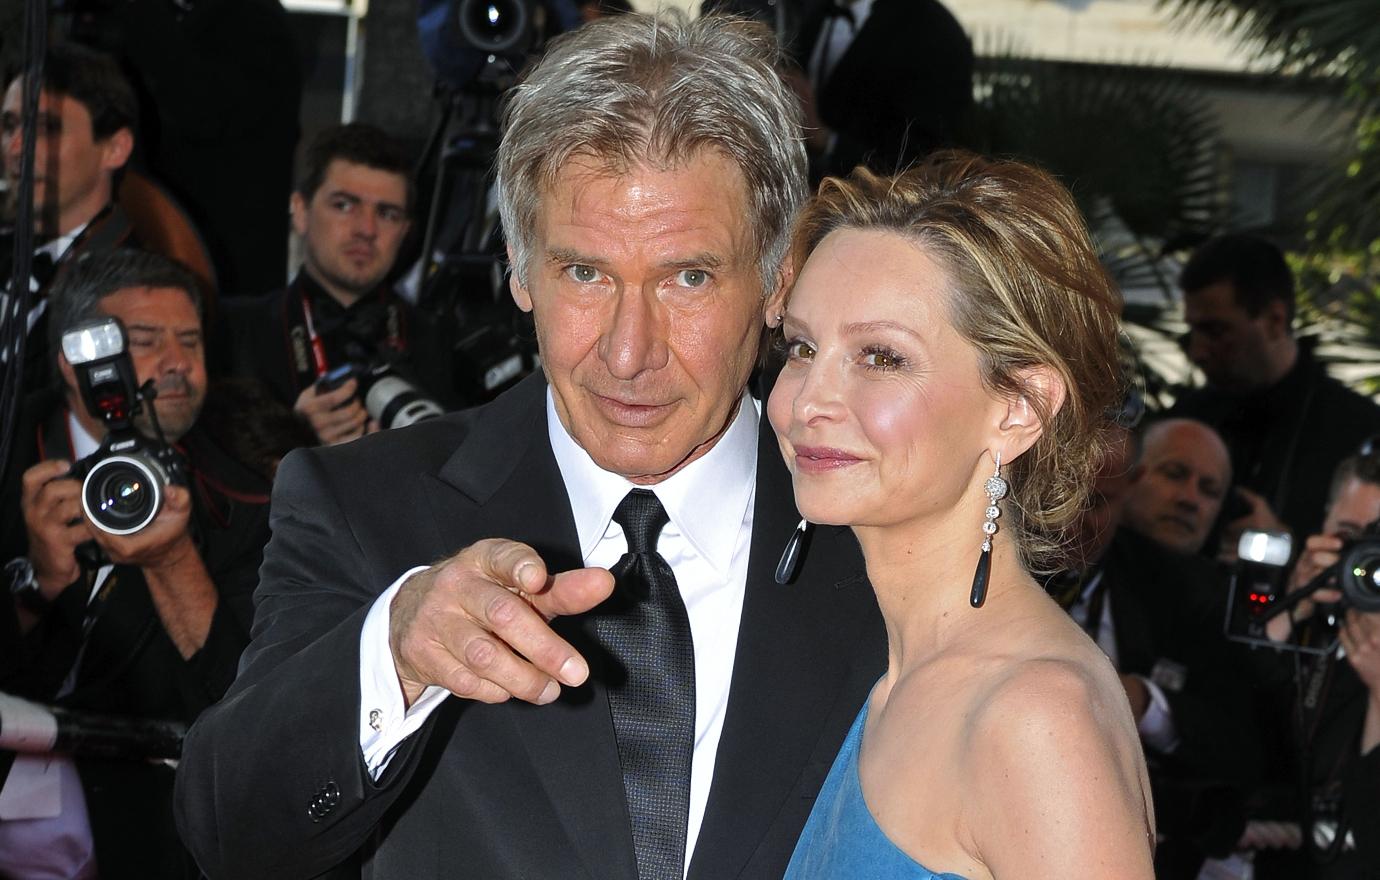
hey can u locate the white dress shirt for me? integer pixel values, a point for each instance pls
(56, 249)
(706, 543)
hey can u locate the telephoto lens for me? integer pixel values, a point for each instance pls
(396, 403)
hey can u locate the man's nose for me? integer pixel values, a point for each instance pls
(1197, 347)
(11, 146)
(366, 223)
(636, 337)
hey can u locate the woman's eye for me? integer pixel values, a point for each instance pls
(692, 278)
(582, 274)
(799, 350)
(883, 359)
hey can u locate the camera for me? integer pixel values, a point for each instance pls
(390, 399)
(125, 480)
(1259, 579)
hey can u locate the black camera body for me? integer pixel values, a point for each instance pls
(1258, 588)
(390, 399)
(124, 482)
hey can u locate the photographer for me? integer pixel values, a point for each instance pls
(351, 211)
(148, 624)
(1338, 710)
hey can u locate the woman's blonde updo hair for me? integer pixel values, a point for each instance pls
(1027, 290)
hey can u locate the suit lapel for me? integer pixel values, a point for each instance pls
(799, 647)
(503, 481)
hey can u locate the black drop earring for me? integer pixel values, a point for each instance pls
(996, 489)
(789, 563)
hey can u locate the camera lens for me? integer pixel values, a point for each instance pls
(493, 25)
(1359, 574)
(122, 494)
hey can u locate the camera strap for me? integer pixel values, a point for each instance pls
(307, 347)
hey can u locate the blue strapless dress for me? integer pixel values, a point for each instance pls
(841, 840)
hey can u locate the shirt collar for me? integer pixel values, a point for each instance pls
(706, 500)
(57, 247)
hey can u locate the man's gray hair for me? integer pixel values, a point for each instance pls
(85, 281)
(640, 89)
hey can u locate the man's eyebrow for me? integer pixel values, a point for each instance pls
(704, 260)
(346, 195)
(570, 255)
(144, 328)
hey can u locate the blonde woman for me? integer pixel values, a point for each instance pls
(951, 352)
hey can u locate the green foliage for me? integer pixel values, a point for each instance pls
(1136, 147)
(1320, 37)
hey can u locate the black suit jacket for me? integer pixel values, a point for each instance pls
(511, 790)
(903, 88)
(1168, 611)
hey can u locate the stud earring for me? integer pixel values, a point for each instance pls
(996, 489)
(789, 563)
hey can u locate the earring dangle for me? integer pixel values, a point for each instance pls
(789, 563)
(996, 489)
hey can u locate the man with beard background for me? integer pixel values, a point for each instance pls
(147, 625)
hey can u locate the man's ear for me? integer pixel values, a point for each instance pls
(1276, 319)
(298, 206)
(520, 295)
(1043, 391)
(69, 375)
(116, 149)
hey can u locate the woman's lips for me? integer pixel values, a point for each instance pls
(820, 459)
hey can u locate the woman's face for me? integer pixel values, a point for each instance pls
(880, 410)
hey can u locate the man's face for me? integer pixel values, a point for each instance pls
(72, 169)
(648, 308)
(1226, 343)
(1178, 491)
(352, 227)
(1356, 506)
(165, 344)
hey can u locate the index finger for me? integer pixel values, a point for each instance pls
(517, 566)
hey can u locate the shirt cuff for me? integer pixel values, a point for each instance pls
(1156, 726)
(384, 723)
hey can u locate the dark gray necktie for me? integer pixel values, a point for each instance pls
(645, 627)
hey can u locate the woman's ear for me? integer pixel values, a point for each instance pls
(1021, 425)
(774, 306)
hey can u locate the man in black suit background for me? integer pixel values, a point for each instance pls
(884, 82)
(647, 217)
(87, 115)
(1157, 610)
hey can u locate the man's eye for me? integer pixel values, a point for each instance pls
(799, 350)
(392, 215)
(582, 274)
(342, 205)
(692, 278)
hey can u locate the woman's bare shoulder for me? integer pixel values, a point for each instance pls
(1052, 750)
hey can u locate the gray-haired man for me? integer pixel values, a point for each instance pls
(477, 718)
